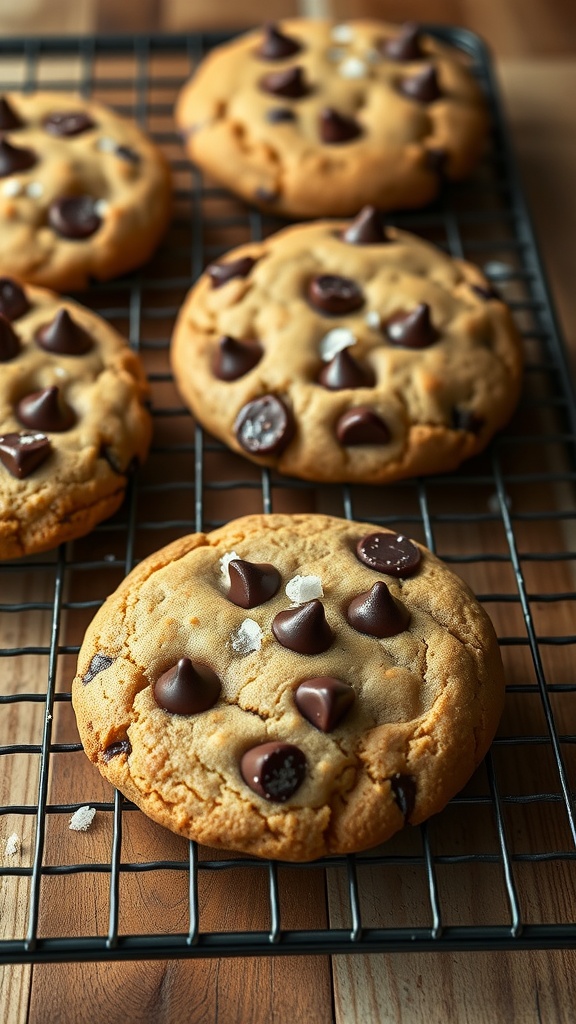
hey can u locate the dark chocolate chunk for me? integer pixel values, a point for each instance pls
(376, 613)
(15, 158)
(392, 554)
(436, 159)
(276, 45)
(22, 453)
(13, 302)
(68, 123)
(335, 128)
(115, 749)
(252, 583)
(187, 688)
(335, 295)
(9, 340)
(323, 701)
(343, 371)
(361, 425)
(278, 114)
(404, 46)
(303, 629)
(366, 229)
(127, 154)
(99, 663)
(404, 791)
(465, 419)
(221, 273)
(423, 86)
(74, 217)
(274, 770)
(233, 358)
(264, 426)
(414, 329)
(290, 82)
(45, 410)
(9, 119)
(64, 336)
(485, 293)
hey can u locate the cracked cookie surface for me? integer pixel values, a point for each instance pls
(363, 696)
(312, 119)
(72, 419)
(343, 351)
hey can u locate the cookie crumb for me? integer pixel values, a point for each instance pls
(82, 819)
(230, 556)
(247, 638)
(301, 589)
(335, 341)
(12, 845)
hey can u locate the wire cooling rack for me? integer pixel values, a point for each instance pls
(496, 869)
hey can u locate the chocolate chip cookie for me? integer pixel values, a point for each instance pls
(348, 352)
(311, 119)
(72, 420)
(83, 192)
(289, 686)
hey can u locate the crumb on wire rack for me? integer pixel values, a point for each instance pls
(12, 845)
(82, 819)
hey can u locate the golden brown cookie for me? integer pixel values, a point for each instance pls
(347, 352)
(289, 686)
(312, 119)
(72, 419)
(83, 192)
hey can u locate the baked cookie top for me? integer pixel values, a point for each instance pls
(289, 686)
(83, 192)
(347, 352)
(72, 419)
(311, 119)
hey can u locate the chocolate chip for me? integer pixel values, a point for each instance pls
(9, 119)
(115, 749)
(343, 371)
(274, 770)
(13, 302)
(465, 419)
(276, 45)
(335, 295)
(376, 613)
(485, 293)
(335, 128)
(45, 410)
(361, 425)
(404, 46)
(9, 341)
(264, 426)
(323, 701)
(64, 336)
(252, 583)
(99, 663)
(303, 629)
(68, 123)
(414, 329)
(127, 154)
(436, 160)
(221, 273)
(233, 358)
(278, 114)
(290, 82)
(15, 158)
(404, 791)
(366, 229)
(22, 453)
(423, 86)
(187, 688)
(74, 217)
(389, 553)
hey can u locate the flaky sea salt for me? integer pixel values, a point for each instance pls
(106, 145)
(12, 845)
(101, 207)
(11, 188)
(335, 341)
(342, 33)
(230, 556)
(373, 319)
(247, 638)
(35, 189)
(82, 819)
(304, 588)
(353, 67)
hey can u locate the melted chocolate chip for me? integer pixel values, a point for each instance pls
(335, 295)
(221, 273)
(99, 663)
(274, 770)
(74, 217)
(276, 115)
(303, 629)
(343, 371)
(423, 86)
(323, 701)
(376, 613)
(366, 229)
(465, 419)
(335, 128)
(290, 82)
(233, 358)
(414, 329)
(22, 453)
(404, 46)
(389, 553)
(276, 45)
(45, 410)
(361, 425)
(13, 302)
(9, 341)
(9, 119)
(115, 749)
(252, 583)
(187, 688)
(68, 123)
(15, 158)
(64, 336)
(404, 791)
(127, 154)
(264, 426)
(485, 293)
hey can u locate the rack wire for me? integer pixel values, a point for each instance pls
(496, 869)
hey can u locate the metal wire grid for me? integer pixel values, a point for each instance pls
(475, 220)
